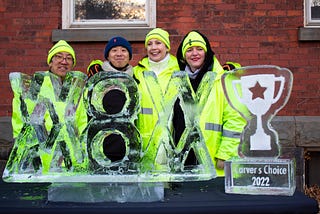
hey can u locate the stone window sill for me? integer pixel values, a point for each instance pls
(309, 34)
(98, 35)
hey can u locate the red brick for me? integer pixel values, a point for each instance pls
(250, 32)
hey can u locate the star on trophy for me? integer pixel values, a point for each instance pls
(258, 93)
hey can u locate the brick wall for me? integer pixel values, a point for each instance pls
(250, 32)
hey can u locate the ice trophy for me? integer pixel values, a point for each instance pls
(258, 93)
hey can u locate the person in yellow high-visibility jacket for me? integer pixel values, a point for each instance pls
(59, 109)
(61, 59)
(220, 124)
(118, 54)
(161, 63)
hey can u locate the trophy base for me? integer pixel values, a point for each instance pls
(258, 176)
(106, 192)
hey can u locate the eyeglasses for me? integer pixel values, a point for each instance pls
(60, 58)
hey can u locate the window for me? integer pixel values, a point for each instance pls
(108, 14)
(311, 29)
(312, 13)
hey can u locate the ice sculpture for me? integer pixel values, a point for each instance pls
(38, 151)
(173, 168)
(258, 93)
(107, 124)
(41, 155)
(57, 153)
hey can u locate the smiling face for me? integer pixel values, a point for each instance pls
(61, 63)
(118, 56)
(195, 57)
(156, 50)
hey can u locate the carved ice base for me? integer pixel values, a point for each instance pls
(258, 176)
(106, 192)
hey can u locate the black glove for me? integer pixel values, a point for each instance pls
(94, 67)
(228, 66)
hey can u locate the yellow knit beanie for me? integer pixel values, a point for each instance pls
(193, 39)
(61, 46)
(159, 34)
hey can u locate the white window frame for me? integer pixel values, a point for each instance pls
(308, 22)
(69, 23)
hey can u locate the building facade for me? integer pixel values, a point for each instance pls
(251, 32)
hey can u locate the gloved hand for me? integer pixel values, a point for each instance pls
(94, 67)
(228, 66)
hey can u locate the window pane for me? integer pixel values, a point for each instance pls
(110, 10)
(315, 9)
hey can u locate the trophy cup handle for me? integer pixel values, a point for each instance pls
(234, 83)
(281, 79)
